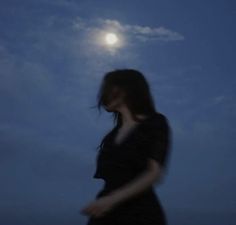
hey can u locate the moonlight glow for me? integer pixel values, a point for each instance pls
(111, 38)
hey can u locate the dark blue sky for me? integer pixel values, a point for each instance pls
(51, 65)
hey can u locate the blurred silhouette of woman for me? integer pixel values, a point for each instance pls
(132, 156)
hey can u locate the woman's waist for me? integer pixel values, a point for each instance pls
(147, 194)
(145, 200)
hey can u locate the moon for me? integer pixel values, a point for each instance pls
(111, 39)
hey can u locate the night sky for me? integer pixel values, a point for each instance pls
(52, 60)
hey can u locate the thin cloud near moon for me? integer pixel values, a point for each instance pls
(142, 33)
(112, 35)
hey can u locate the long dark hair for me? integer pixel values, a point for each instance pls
(138, 97)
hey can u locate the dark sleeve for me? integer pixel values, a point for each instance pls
(159, 140)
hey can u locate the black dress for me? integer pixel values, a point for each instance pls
(117, 164)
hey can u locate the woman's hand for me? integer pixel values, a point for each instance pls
(99, 207)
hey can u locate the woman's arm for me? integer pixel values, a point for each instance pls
(139, 184)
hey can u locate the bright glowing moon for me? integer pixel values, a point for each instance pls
(111, 38)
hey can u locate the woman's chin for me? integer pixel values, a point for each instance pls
(109, 109)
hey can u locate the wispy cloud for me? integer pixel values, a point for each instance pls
(142, 33)
(146, 33)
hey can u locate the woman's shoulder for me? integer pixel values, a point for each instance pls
(155, 127)
(160, 116)
(156, 120)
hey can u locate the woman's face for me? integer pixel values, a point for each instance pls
(115, 100)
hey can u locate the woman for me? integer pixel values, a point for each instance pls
(132, 156)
